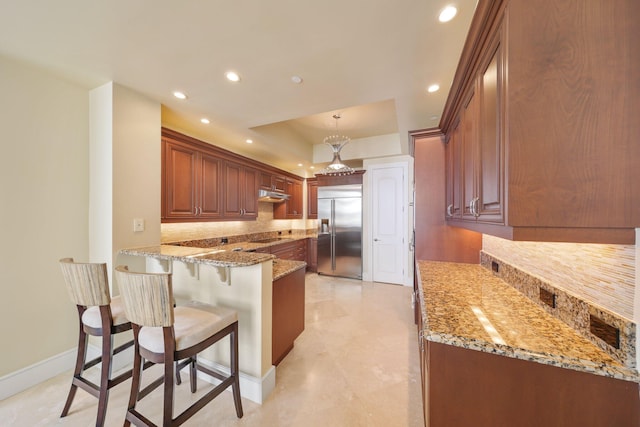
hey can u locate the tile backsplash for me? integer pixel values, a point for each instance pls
(600, 274)
(175, 232)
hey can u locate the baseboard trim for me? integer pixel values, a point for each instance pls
(29, 376)
(252, 388)
(22, 379)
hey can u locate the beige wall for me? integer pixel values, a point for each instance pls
(44, 191)
(125, 173)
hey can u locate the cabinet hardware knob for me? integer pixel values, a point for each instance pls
(449, 210)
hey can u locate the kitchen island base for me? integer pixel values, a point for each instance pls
(245, 289)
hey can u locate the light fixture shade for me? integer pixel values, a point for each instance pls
(336, 142)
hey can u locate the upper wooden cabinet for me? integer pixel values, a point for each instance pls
(241, 195)
(201, 182)
(542, 122)
(272, 182)
(312, 198)
(192, 181)
(292, 208)
(475, 154)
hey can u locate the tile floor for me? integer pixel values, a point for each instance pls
(356, 364)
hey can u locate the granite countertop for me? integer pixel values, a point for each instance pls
(210, 256)
(466, 306)
(282, 267)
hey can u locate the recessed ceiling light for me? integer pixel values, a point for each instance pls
(296, 79)
(312, 167)
(249, 141)
(232, 76)
(433, 88)
(179, 95)
(447, 14)
(299, 165)
(205, 120)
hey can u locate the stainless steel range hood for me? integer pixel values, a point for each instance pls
(271, 196)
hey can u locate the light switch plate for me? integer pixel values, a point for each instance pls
(138, 224)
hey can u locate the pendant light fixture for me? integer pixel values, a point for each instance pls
(336, 142)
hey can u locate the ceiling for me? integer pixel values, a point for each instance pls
(368, 60)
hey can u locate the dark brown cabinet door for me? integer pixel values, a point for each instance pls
(312, 198)
(241, 195)
(490, 193)
(312, 255)
(292, 208)
(233, 182)
(180, 176)
(265, 181)
(278, 183)
(288, 313)
(211, 186)
(453, 173)
(468, 155)
(250, 193)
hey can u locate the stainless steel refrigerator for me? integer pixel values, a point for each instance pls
(340, 230)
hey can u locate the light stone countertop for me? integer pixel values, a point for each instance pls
(282, 267)
(223, 258)
(466, 306)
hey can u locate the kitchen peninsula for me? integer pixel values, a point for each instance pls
(490, 356)
(237, 276)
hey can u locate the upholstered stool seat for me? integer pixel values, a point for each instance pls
(194, 322)
(93, 319)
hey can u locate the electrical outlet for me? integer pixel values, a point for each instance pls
(138, 224)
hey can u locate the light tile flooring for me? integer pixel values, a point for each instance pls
(356, 364)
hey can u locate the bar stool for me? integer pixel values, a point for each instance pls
(98, 315)
(164, 334)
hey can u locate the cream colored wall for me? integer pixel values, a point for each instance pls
(125, 173)
(44, 191)
(137, 170)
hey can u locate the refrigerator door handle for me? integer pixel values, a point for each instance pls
(333, 234)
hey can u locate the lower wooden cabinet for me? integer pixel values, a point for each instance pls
(295, 250)
(312, 255)
(463, 387)
(288, 313)
(312, 198)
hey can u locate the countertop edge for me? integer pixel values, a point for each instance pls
(221, 259)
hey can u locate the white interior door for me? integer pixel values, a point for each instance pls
(388, 217)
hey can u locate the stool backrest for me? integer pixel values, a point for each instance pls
(147, 297)
(87, 283)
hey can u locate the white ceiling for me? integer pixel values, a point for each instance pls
(370, 60)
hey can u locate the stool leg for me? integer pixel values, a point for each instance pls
(234, 371)
(193, 371)
(136, 376)
(105, 370)
(169, 359)
(80, 361)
